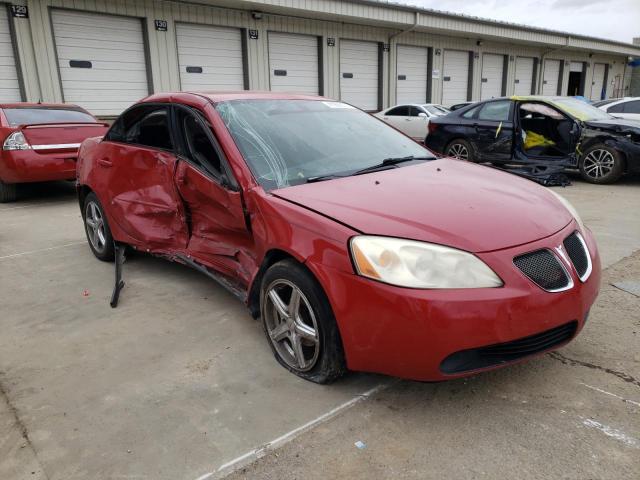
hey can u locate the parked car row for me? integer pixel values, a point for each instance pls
(356, 247)
(541, 131)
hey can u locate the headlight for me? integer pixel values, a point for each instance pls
(571, 209)
(407, 263)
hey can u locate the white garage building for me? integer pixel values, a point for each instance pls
(104, 55)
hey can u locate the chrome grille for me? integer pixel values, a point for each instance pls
(544, 269)
(579, 255)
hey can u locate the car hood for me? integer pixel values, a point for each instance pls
(617, 125)
(444, 201)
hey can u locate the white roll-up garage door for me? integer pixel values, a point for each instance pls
(492, 72)
(209, 58)
(551, 76)
(597, 84)
(9, 84)
(101, 60)
(455, 77)
(293, 63)
(411, 83)
(359, 75)
(523, 81)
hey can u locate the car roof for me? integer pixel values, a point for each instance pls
(217, 97)
(40, 105)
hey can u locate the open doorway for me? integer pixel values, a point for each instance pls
(576, 79)
(544, 132)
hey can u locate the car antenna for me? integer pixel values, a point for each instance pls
(119, 283)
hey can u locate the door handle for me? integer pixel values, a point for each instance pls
(407, 119)
(105, 162)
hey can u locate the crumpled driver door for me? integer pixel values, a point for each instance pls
(219, 235)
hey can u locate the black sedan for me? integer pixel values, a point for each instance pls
(540, 133)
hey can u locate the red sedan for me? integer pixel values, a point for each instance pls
(356, 247)
(40, 143)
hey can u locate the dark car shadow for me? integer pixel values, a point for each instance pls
(46, 191)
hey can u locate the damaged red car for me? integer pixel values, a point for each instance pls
(353, 244)
(40, 143)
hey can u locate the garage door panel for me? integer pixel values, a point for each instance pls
(217, 50)
(115, 47)
(360, 59)
(296, 56)
(597, 83)
(412, 64)
(523, 76)
(492, 76)
(551, 77)
(9, 83)
(455, 67)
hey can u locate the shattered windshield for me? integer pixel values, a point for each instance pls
(287, 142)
(580, 110)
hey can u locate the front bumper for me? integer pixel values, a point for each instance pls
(408, 333)
(23, 166)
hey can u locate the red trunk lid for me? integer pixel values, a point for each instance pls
(45, 138)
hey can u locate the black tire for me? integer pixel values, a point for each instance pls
(456, 149)
(601, 164)
(103, 248)
(8, 192)
(328, 360)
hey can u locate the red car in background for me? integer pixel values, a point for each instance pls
(40, 143)
(356, 247)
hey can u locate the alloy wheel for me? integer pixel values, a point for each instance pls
(459, 151)
(94, 221)
(291, 325)
(598, 163)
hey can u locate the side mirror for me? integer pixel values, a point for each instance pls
(423, 115)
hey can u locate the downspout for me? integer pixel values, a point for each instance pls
(391, 37)
(542, 58)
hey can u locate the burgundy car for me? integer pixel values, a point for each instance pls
(357, 248)
(40, 143)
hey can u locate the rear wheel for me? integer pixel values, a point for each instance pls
(601, 164)
(8, 192)
(97, 229)
(460, 149)
(299, 323)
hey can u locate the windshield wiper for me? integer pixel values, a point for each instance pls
(322, 178)
(389, 163)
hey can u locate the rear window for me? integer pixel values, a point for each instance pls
(24, 116)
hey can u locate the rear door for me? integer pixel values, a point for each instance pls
(494, 131)
(398, 117)
(136, 166)
(219, 236)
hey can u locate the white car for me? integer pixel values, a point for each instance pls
(628, 107)
(412, 119)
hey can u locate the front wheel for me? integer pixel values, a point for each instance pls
(299, 323)
(460, 149)
(97, 229)
(601, 164)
